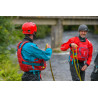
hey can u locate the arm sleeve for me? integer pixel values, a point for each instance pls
(34, 51)
(66, 45)
(90, 54)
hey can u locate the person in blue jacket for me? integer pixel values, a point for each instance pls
(31, 59)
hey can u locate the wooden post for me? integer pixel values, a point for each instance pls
(56, 34)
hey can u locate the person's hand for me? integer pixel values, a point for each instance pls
(73, 45)
(48, 46)
(84, 68)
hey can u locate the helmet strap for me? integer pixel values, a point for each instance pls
(28, 38)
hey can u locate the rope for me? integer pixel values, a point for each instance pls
(50, 65)
(78, 73)
(77, 60)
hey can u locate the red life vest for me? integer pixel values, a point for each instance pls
(26, 67)
(82, 49)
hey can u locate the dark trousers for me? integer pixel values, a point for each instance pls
(94, 74)
(30, 76)
(74, 73)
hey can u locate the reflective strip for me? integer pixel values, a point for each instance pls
(33, 64)
(34, 71)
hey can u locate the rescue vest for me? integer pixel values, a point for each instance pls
(82, 50)
(37, 64)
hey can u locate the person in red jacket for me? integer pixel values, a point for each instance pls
(83, 50)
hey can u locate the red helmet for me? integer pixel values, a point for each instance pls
(29, 28)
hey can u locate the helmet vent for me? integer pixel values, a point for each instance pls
(29, 31)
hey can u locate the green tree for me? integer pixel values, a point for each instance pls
(5, 33)
(9, 71)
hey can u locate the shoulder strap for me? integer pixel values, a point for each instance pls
(19, 44)
(22, 44)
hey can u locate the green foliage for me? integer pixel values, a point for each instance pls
(70, 28)
(12, 51)
(43, 31)
(96, 32)
(5, 33)
(96, 29)
(8, 70)
(91, 28)
(17, 35)
(75, 28)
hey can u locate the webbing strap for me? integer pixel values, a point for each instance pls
(33, 64)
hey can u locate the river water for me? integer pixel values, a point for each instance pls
(59, 61)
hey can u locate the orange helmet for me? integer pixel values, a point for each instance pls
(29, 28)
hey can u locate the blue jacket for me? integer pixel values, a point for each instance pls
(30, 51)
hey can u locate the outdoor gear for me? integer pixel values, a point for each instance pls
(32, 60)
(31, 51)
(37, 64)
(29, 28)
(77, 69)
(78, 55)
(84, 49)
(27, 38)
(83, 28)
(50, 65)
